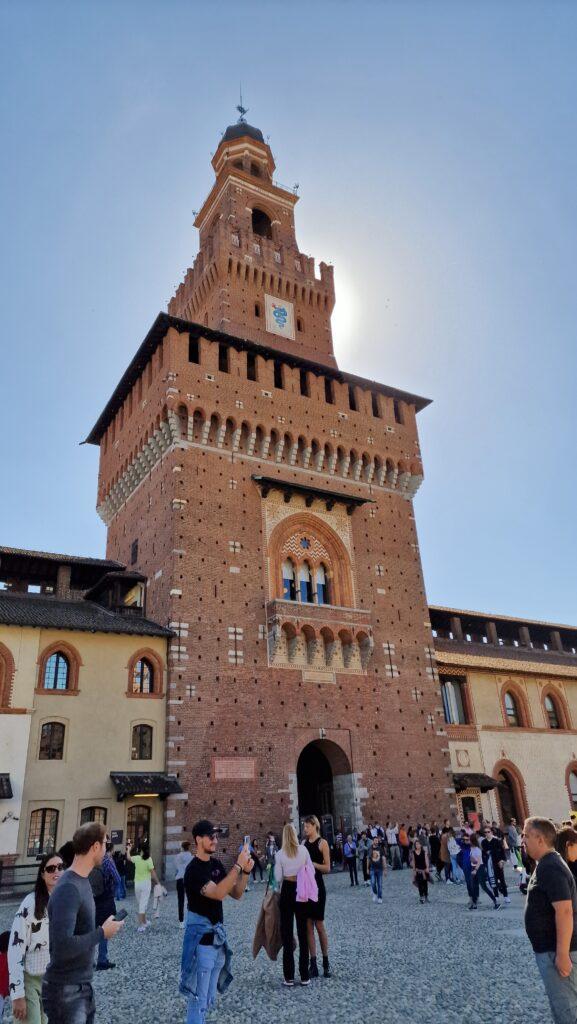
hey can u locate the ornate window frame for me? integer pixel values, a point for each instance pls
(158, 670)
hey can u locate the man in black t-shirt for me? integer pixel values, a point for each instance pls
(551, 919)
(493, 850)
(205, 951)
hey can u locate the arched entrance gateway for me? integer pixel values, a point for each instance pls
(510, 793)
(326, 786)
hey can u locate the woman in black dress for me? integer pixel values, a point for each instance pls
(321, 857)
(420, 865)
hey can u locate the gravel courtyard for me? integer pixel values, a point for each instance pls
(399, 962)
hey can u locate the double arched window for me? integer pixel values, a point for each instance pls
(143, 676)
(56, 672)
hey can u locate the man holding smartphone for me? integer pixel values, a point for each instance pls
(67, 994)
(205, 951)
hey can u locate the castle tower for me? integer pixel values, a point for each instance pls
(249, 277)
(267, 496)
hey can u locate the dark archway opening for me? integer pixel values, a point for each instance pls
(508, 799)
(261, 223)
(315, 783)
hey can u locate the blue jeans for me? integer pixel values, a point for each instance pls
(561, 992)
(68, 1004)
(210, 960)
(102, 952)
(458, 875)
(377, 882)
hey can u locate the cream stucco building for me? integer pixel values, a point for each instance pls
(82, 704)
(509, 695)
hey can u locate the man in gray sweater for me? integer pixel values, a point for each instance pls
(67, 994)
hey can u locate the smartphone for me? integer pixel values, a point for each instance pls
(120, 915)
(247, 842)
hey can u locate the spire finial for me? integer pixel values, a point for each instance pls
(242, 110)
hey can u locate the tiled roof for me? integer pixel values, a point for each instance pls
(492, 617)
(50, 613)
(51, 556)
(509, 665)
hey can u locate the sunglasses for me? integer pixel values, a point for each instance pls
(51, 869)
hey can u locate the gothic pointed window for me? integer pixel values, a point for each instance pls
(143, 677)
(512, 710)
(288, 581)
(56, 672)
(322, 588)
(552, 713)
(305, 583)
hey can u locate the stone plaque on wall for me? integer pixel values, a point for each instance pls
(234, 769)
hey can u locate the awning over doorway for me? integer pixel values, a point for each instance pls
(5, 786)
(144, 784)
(474, 780)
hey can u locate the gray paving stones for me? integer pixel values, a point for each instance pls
(399, 963)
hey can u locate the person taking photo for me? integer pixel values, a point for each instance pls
(205, 951)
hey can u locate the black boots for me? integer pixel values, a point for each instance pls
(314, 970)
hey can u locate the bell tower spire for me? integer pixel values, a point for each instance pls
(249, 278)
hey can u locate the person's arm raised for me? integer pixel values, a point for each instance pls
(220, 890)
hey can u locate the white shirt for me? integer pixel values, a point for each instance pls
(28, 950)
(183, 859)
(290, 866)
(476, 857)
(391, 834)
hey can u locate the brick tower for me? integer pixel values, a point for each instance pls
(268, 496)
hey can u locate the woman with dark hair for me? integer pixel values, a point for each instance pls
(479, 876)
(566, 845)
(28, 952)
(420, 865)
(320, 855)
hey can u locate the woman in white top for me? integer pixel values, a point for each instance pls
(28, 952)
(288, 861)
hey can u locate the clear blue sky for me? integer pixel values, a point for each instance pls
(435, 147)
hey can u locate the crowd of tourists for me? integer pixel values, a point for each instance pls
(62, 929)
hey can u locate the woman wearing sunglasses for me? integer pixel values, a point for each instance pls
(28, 952)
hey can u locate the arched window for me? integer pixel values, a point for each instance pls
(97, 814)
(56, 672)
(288, 581)
(255, 170)
(305, 583)
(572, 784)
(512, 710)
(142, 743)
(42, 832)
(261, 223)
(138, 824)
(552, 713)
(322, 585)
(51, 742)
(6, 676)
(143, 677)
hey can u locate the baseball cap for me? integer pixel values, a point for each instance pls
(204, 827)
